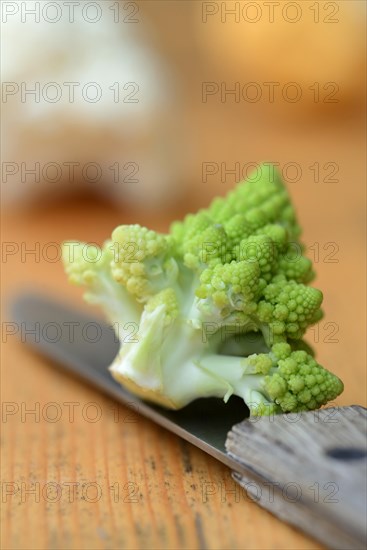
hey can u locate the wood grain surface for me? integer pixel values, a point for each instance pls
(117, 480)
(323, 490)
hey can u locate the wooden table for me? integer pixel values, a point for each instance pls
(121, 481)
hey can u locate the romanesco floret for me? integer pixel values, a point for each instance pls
(197, 293)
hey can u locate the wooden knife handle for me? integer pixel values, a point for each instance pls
(310, 470)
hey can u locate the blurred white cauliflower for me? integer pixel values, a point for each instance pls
(104, 111)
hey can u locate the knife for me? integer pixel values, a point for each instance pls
(308, 469)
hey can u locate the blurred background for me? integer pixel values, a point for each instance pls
(122, 112)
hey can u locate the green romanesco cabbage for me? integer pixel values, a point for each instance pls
(196, 294)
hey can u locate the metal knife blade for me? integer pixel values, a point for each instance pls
(66, 336)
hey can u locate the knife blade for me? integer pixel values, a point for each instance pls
(255, 449)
